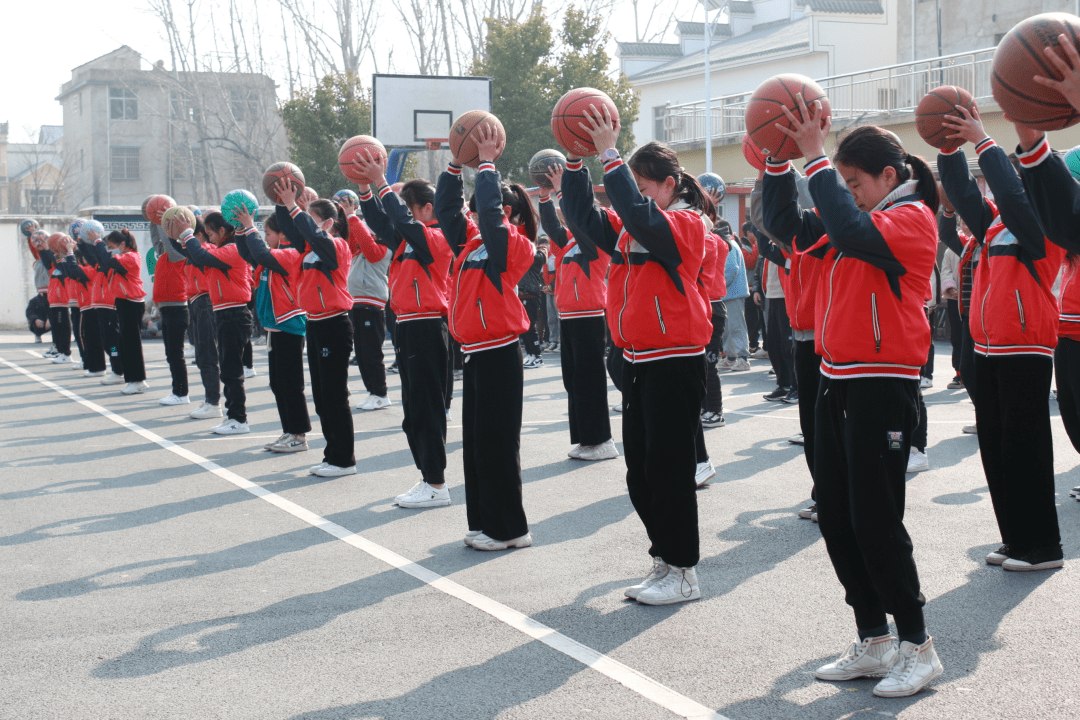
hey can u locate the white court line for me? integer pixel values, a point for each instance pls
(625, 675)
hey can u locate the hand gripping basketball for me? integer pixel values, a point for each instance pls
(489, 145)
(286, 193)
(810, 135)
(373, 170)
(967, 127)
(600, 126)
(1069, 85)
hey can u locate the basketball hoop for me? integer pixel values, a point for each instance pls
(435, 143)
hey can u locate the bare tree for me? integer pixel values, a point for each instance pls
(337, 35)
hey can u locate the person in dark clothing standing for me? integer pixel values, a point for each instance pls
(531, 296)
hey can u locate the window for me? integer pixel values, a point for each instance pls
(243, 104)
(124, 163)
(187, 163)
(40, 202)
(659, 123)
(123, 105)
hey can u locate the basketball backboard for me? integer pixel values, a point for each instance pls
(408, 109)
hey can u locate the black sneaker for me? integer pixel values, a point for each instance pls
(792, 398)
(778, 394)
(998, 556)
(392, 369)
(1046, 558)
(711, 419)
(956, 383)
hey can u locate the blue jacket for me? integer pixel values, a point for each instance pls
(735, 274)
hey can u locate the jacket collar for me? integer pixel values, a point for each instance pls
(902, 190)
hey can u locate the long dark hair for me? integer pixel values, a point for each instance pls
(872, 149)
(657, 162)
(123, 237)
(521, 209)
(328, 210)
(216, 221)
(417, 193)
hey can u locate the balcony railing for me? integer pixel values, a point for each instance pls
(863, 96)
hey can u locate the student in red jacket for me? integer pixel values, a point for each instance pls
(659, 317)
(1014, 326)
(320, 235)
(118, 256)
(229, 281)
(419, 274)
(873, 227)
(102, 310)
(581, 297)
(170, 295)
(714, 286)
(59, 313)
(486, 317)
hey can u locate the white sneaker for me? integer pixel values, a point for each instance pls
(705, 473)
(231, 427)
(91, 373)
(472, 535)
(926, 382)
(741, 365)
(915, 667)
(311, 470)
(249, 372)
(659, 570)
(532, 362)
(424, 496)
(272, 443)
(678, 585)
(808, 512)
(189, 352)
(604, 451)
(328, 470)
(483, 542)
(205, 411)
(449, 417)
(174, 400)
(290, 444)
(374, 402)
(971, 429)
(134, 388)
(797, 439)
(574, 452)
(51, 352)
(1075, 492)
(872, 657)
(112, 379)
(713, 420)
(760, 354)
(917, 461)
(725, 364)
(617, 407)
(62, 359)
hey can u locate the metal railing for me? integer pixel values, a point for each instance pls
(862, 96)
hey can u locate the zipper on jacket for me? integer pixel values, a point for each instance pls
(321, 300)
(220, 294)
(877, 326)
(660, 316)
(626, 286)
(575, 291)
(982, 316)
(1020, 307)
(416, 287)
(288, 294)
(480, 304)
(828, 307)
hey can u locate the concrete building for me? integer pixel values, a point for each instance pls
(130, 132)
(31, 174)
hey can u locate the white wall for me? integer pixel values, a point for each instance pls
(876, 46)
(16, 268)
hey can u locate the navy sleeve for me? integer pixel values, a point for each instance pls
(407, 227)
(645, 222)
(784, 218)
(549, 221)
(379, 222)
(1012, 202)
(320, 242)
(964, 194)
(288, 229)
(1056, 197)
(256, 252)
(200, 257)
(72, 270)
(768, 250)
(450, 209)
(490, 218)
(584, 218)
(47, 258)
(106, 261)
(946, 232)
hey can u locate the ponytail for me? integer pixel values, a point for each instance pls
(216, 221)
(657, 162)
(927, 185)
(521, 209)
(872, 149)
(123, 237)
(328, 210)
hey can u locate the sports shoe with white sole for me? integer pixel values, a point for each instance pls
(705, 472)
(374, 402)
(678, 585)
(712, 419)
(725, 364)
(617, 407)
(329, 470)
(311, 470)
(532, 362)
(998, 556)
(925, 383)
(604, 451)
(174, 400)
(813, 516)
(92, 373)
(290, 443)
(134, 388)
(659, 570)
(483, 542)
(872, 657)
(917, 461)
(62, 359)
(189, 352)
(760, 354)
(741, 365)
(206, 411)
(425, 496)
(231, 427)
(1075, 492)
(249, 372)
(971, 429)
(808, 512)
(472, 535)
(112, 379)
(51, 352)
(797, 439)
(915, 667)
(272, 443)
(778, 394)
(574, 452)
(1041, 559)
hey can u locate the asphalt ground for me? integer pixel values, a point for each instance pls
(149, 569)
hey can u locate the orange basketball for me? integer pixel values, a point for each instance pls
(353, 148)
(156, 206)
(755, 157)
(763, 113)
(569, 114)
(56, 243)
(308, 196)
(1019, 57)
(462, 135)
(932, 109)
(281, 171)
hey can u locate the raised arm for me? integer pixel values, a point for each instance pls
(200, 256)
(315, 237)
(1053, 192)
(363, 242)
(947, 233)
(781, 214)
(288, 229)
(450, 208)
(405, 225)
(549, 221)
(379, 221)
(106, 261)
(585, 219)
(490, 218)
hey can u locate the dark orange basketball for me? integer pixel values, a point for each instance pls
(462, 135)
(352, 148)
(56, 243)
(755, 157)
(568, 115)
(1019, 57)
(156, 206)
(763, 112)
(278, 172)
(309, 196)
(933, 108)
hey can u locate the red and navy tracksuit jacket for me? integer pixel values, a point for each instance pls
(323, 292)
(712, 268)
(57, 293)
(869, 319)
(284, 276)
(420, 269)
(799, 280)
(170, 281)
(581, 268)
(655, 309)
(123, 272)
(485, 312)
(226, 272)
(1013, 309)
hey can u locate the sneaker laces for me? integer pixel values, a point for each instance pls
(904, 666)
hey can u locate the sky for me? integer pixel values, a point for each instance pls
(35, 64)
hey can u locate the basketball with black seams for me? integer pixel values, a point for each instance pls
(541, 162)
(765, 110)
(568, 116)
(156, 206)
(936, 105)
(1020, 57)
(463, 135)
(281, 171)
(751, 154)
(353, 148)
